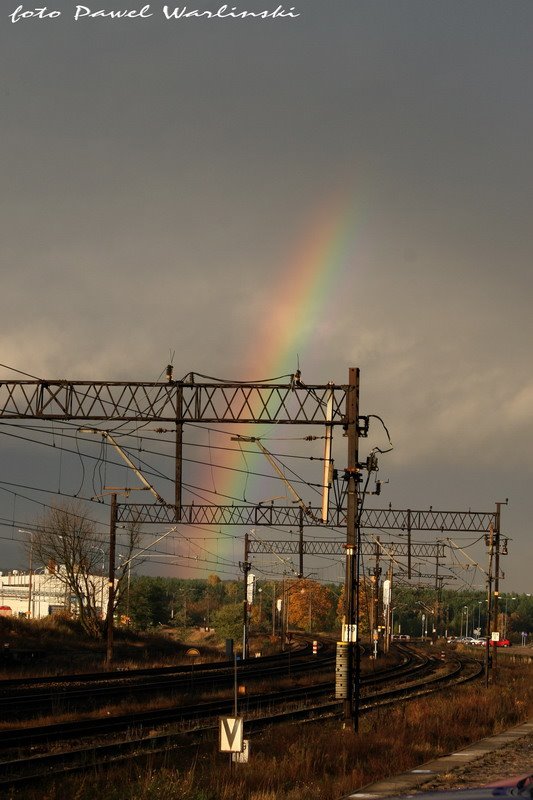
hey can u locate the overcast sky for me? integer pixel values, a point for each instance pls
(160, 176)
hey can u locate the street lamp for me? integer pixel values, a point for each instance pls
(396, 608)
(425, 617)
(465, 610)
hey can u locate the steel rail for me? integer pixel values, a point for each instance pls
(82, 758)
(303, 648)
(103, 726)
(409, 666)
(96, 691)
(94, 694)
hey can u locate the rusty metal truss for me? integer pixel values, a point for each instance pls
(329, 548)
(430, 520)
(147, 513)
(403, 573)
(173, 401)
(289, 516)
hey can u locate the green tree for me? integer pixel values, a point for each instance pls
(150, 601)
(521, 618)
(228, 622)
(140, 609)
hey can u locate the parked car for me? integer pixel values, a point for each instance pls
(499, 643)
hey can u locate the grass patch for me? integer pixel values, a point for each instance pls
(61, 647)
(316, 761)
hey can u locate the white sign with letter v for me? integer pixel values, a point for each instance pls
(231, 734)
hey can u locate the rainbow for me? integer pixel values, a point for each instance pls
(310, 285)
(296, 319)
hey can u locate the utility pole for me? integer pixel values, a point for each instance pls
(179, 450)
(496, 582)
(488, 657)
(493, 543)
(245, 566)
(438, 608)
(178, 443)
(496, 586)
(438, 586)
(348, 655)
(409, 543)
(301, 542)
(375, 597)
(274, 610)
(387, 609)
(30, 577)
(111, 583)
(282, 627)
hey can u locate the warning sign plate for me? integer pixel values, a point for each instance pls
(231, 734)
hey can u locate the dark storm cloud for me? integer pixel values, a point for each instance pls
(157, 174)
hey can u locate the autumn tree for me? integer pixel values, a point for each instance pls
(214, 593)
(309, 604)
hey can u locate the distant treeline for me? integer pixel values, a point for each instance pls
(212, 602)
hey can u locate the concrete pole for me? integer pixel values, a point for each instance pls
(111, 584)
(351, 585)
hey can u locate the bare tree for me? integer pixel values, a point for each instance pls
(67, 542)
(70, 544)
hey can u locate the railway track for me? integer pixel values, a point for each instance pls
(146, 720)
(25, 699)
(27, 756)
(30, 698)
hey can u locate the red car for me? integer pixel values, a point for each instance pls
(500, 643)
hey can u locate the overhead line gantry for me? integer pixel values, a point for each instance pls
(293, 403)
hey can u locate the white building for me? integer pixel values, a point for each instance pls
(39, 594)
